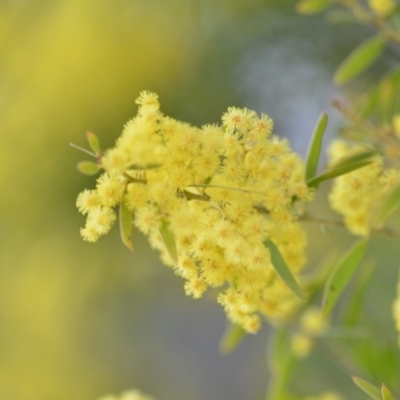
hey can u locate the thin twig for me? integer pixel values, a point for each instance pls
(82, 149)
(382, 231)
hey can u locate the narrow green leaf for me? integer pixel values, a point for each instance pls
(169, 241)
(280, 361)
(283, 270)
(390, 205)
(125, 225)
(232, 337)
(369, 103)
(314, 281)
(394, 76)
(341, 275)
(359, 59)
(381, 100)
(386, 395)
(278, 348)
(368, 388)
(93, 143)
(314, 149)
(88, 167)
(386, 92)
(335, 172)
(344, 166)
(312, 6)
(356, 157)
(352, 310)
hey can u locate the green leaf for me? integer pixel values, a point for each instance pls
(338, 171)
(344, 166)
(369, 103)
(352, 310)
(382, 99)
(93, 143)
(278, 349)
(390, 205)
(312, 6)
(359, 59)
(314, 149)
(283, 270)
(169, 241)
(232, 337)
(368, 388)
(394, 76)
(386, 94)
(315, 279)
(342, 274)
(356, 157)
(125, 225)
(280, 361)
(88, 167)
(386, 395)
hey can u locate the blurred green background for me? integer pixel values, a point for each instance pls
(80, 320)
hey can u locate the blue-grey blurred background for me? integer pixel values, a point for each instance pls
(80, 320)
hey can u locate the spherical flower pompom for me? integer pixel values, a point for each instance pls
(252, 323)
(87, 201)
(99, 222)
(262, 127)
(148, 99)
(110, 188)
(90, 233)
(115, 160)
(195, 287)
(238, 120)
(313, 322)
(147, 219)
(302, 344)
(102, 218)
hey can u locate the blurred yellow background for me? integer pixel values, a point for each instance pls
(78, 320)
(69, 311)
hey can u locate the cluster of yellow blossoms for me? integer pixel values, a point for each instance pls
(221, 192)
(130, 395)
(359, 194)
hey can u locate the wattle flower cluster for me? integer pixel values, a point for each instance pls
(219, 192)
(359, 194)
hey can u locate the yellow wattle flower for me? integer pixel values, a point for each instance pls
(222, 191)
